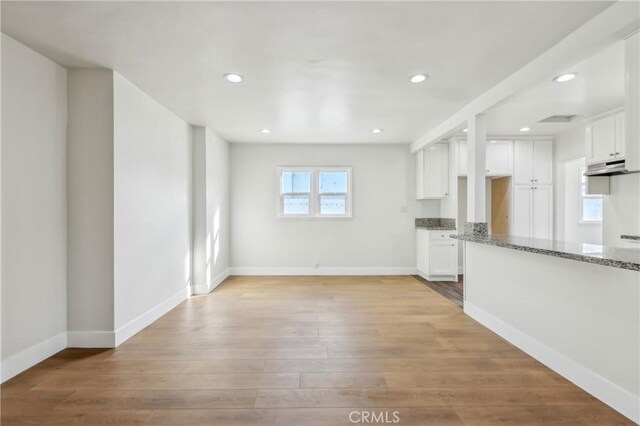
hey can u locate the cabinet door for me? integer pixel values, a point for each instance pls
(620, 132)
(443, 257)
(422, 246)
(522, 216)
(499, 158)
(419, 175)
(543, 212)
(523, 162)
(436, 176)
(543, 162)
(603, 135)
(462, 158)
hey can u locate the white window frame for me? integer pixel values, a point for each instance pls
(581, 220)
(314, 195)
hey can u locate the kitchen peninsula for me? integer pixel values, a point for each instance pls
(573, 307)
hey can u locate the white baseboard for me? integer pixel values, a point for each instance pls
(91, 339)
(125, 332)
(271, 271)
(215, 282)
(29, 357)
(606, 391)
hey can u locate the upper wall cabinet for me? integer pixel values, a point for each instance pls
(499, 158)
(432, 172)
(533, 162)
(604, 139)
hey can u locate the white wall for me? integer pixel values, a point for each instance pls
(569, 193)
(152, 199)
(621, 215)
(211, 210)
(90, 205)
(380, 235)
(34, 207)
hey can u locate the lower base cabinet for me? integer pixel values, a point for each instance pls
(437, 255)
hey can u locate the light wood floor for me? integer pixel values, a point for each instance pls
(303, 351)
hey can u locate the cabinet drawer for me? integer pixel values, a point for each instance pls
(440, 235)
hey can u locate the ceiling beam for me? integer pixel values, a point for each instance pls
(613, 24)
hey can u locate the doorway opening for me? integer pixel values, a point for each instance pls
(500, 205)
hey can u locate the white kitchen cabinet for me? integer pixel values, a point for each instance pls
(437, 255)
(522, 211)
(605, 139)
(432, 172)
(543, 212)
(499, 158)
(533, 162)
(443, 258)
(532, 211)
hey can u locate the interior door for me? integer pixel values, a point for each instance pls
(523, 162)
(543, 212)
(500, 205)
(522, 216)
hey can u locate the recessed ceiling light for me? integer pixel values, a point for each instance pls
(525, 129)
(376, 131)
(233, 78)
(564, 77)
(418, 78)
(265, 131)
(465, 130)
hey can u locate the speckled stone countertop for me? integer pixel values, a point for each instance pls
(630, 237)
(624, 258)
(436, 223)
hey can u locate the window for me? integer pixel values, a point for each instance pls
(590, 205)
(314, 192)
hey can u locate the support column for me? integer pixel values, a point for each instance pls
(476, 172)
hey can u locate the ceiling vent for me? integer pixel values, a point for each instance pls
(558, 119)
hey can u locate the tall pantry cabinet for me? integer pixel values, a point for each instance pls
(532, 210)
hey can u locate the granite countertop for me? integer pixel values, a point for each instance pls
(624, 258)
(436, 223)
(630, 237)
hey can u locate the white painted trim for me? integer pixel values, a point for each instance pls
(608, 392)
(128, 330)
(91, 339)
(215, 282)
(29, 357)
(391, 270)
(613, 24)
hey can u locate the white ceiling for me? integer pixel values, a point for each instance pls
(314, 71)
(598, 88)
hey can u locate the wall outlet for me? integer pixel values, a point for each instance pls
(403, 209)
(317, 265)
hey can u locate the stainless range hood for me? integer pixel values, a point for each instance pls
(607, 168)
